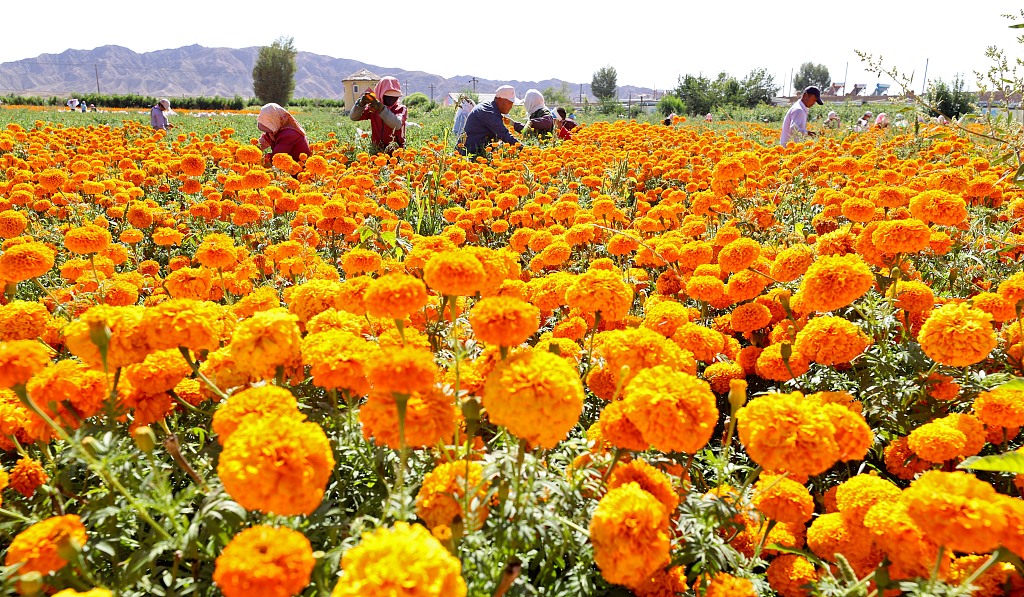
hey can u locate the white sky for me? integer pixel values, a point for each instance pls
(648, 43)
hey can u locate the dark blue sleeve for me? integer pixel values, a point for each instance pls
(496, 125)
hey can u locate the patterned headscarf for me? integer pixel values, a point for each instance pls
(275, 118)
(387, 84)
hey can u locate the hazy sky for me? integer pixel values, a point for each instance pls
(648, 43)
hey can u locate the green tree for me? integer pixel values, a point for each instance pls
(759, 88)
(696, 92)
(604, 83)
(812, 74)
(726, 91)
(557, 97)
(670, 104)
(273, 76)
(950, 101)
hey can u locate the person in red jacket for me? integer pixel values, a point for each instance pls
(387, 115)
(281, 133)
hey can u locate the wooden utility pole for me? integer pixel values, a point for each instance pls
(431, 93)
(474, 81)
(97, 69)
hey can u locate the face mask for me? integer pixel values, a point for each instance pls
(390, 100)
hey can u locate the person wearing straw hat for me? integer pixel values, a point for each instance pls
(486, 123)
(158, 115)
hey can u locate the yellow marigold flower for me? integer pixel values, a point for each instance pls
(901, 236)
(629, 534)
(856, 495)
(830, 340)
(191, 283)
(902, 541)
(1000, 408)
(788, 575)
(666, 317)
(266, 341)
(89, 593)
(649, 479)
(404, 560)
(395, 296)
(727, 585)
(536, 395)
(25, 261)
(749, 317)
(443, 493)
(266, 562)
(1011, 289)
(786, 432)
(504, 321)
(217, 251)
(401, 370)
(663, 583)
(791, 263)
(71, 382)
(616, 428)
(853, 435)
(12, 223)
(27, 475)
(182, 322)
(938, 207)
(159, 372)
(833, 533)
(263, 298)
(957, 335)
(772, 365)
(674, 411)
(37, 548)
(20, 360)
(277, 465)
(360, 261)
(602, 292)
(833, 282)
(705, 343)
(430, 417)
(23, 320)
(337, 359)
(312, 298)
(454, 274)
(739, 254)
(720, 374)
(783, 499)
(269, 402)
(87, 239)
(956, 510)
(914, 295)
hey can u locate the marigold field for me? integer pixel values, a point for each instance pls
(651, 361)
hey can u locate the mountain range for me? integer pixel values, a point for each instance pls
(226, 72)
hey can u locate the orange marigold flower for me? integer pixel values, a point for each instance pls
(25, 261)
(727, 585)
(663, 583)
(720, 374)
(193, 164)
(264, 561)
(616, 428)
(791, 263)
(939, 207)
(430, 417)
(405, 556)
(455, 274)
(1000, 408)
(914, 295)
(833, 533)
(666, 317)
(87, 239)
(901, 461)
(856, 495)
(674, 411)
(20, 360)
(277, 465)
(649, 479)
(787, 432)
(903, 542)
(266, 341)
(166, 237)
(312, 298)
(536, 395)
(401, 370)
(739, 254)
(853, 435)
(830, 340)
(12, 223)
(956, 510)
(602, 292)
(901, 236)
(772, 365)
(27, 476)
(395, 296)
(705, 343)
(957, 335)
(360, 261)
(783, 499)
(182, 322)
(833, 282)
(789, 574)
(629, 534)
(270, 402)
(749, 317)
(337, 359)
(217, 251)
(71, 382)
(191, 283)
(504, 321)
(443, 493)
(159, 372)
(995, 305)
(1011, 289)
(38, 547)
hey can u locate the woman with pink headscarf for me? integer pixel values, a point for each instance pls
(386, 114)
(281, 132)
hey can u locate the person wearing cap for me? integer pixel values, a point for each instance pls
(794, 125)
(486, 123)
(158, 115)
(281, 133)
(386, 113)
(865, 122)
(832, 121)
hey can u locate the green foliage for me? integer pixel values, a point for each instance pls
(558, 97)
(416, 100)
(759, 88)
(670, 104)
(604, 84)
(273, 75)
(949, 100)
(696, 93)
(812, 74)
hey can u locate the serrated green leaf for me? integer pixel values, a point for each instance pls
(1009, 462)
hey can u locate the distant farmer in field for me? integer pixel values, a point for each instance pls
(158, 115)
(564, 124)
(864, 123)
(486, 123)
(463, 107)
(832, 122)
(281, 133)
(541, 121)
(387, 115)
(794, 125)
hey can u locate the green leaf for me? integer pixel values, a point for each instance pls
(1009, 462)
(1014, 385)
(1017, 26)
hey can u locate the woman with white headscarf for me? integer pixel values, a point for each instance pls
(158, 115)
(540, 120)
(281, 132)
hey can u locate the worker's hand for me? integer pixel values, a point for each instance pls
(376, 105)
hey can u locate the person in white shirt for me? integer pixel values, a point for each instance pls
(864, 123)
(794, 125)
